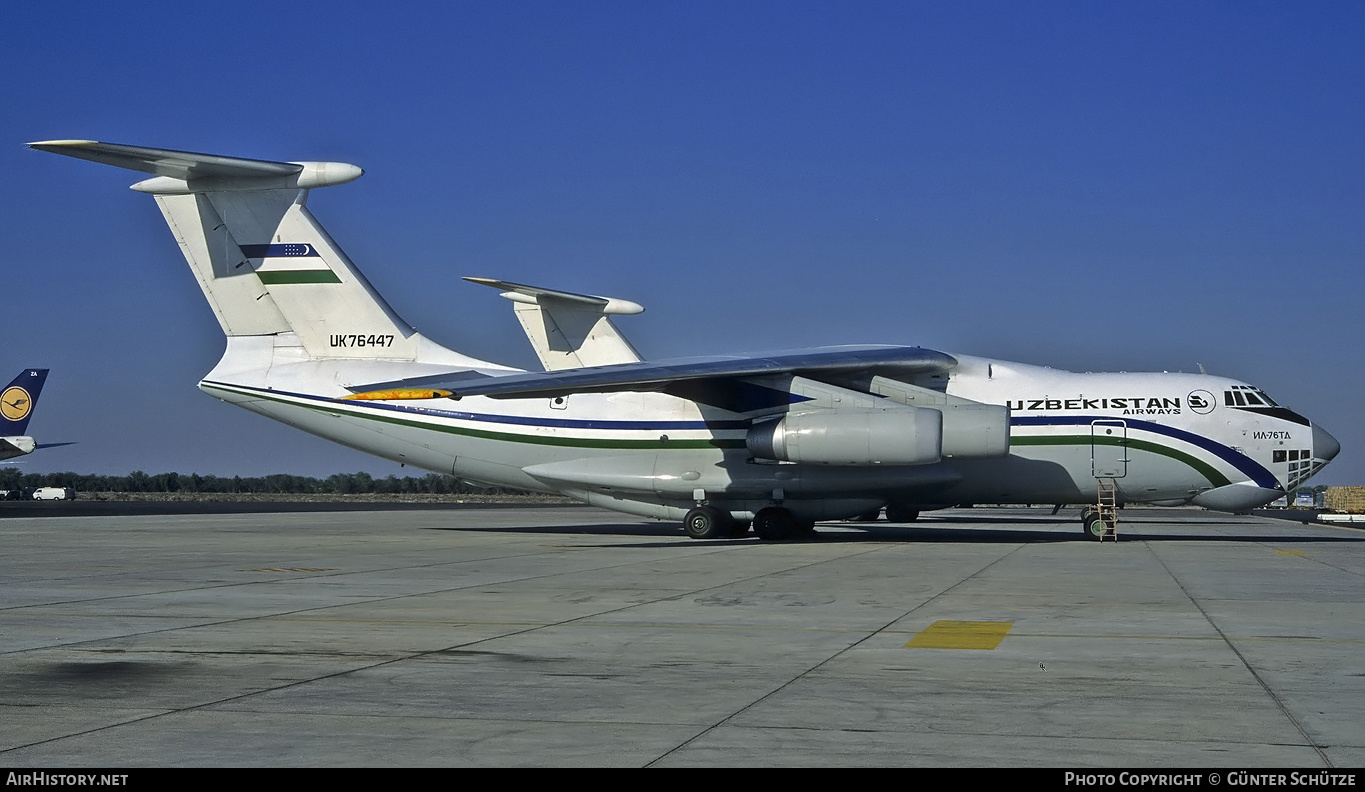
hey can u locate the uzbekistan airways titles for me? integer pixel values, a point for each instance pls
(1138, 405)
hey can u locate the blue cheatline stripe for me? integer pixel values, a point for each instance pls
(515, 420)
(1245, 464)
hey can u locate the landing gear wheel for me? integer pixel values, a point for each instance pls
(774, 524)
(900, 513)
(706, 522)
(1095, 527)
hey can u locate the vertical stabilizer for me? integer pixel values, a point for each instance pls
(265, 265)
(18, 399)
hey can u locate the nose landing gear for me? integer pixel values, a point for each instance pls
(1095, 526)
(1101, 520)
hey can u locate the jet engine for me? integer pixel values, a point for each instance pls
(975, 431)
(904, 436)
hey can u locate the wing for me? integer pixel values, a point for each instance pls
(665, 375)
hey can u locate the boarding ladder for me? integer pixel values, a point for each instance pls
(1106, 505)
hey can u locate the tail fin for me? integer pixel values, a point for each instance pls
(263, 262)
(18, 399)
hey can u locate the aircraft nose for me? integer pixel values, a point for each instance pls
(1325, 446)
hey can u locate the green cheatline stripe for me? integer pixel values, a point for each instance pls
(1205, 469)
(274, 277)
(572, 442)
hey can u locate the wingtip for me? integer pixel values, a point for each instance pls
(61, 143)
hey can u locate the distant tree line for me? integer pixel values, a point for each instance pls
(338, 484)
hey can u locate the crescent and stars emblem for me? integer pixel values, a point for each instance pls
(15, 403)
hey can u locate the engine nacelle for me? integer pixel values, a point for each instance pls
(904, 436)
(975, 431)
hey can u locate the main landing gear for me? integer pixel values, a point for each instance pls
(773, 524)
(708, 522)
(776, 524)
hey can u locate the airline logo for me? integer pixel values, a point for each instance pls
(1201, 401)
(15, 403)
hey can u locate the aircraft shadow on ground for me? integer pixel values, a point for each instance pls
(921, 532)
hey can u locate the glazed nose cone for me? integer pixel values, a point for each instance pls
(1325, 446)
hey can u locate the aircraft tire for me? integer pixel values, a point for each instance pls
(1094, 526)
(706, 522)
(899, 513)
(774, 524)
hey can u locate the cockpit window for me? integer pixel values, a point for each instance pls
(1247, 396)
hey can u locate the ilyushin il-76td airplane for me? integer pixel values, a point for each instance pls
(777, 441)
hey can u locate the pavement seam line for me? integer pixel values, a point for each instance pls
(1242, 659)
(822, 663)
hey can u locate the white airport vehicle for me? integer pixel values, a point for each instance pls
(777, 440)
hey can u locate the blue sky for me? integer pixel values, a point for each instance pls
(1093, 186)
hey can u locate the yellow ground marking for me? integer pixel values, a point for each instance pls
(1290, 552)
(961, 635)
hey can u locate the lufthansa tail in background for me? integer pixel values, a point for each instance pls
(16, 408)
(776, 441)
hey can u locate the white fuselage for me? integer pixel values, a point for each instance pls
(1164, 438)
